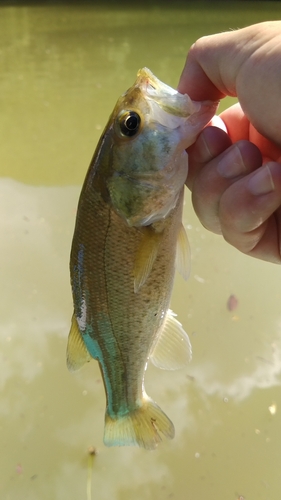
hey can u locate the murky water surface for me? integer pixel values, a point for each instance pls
(62, 69)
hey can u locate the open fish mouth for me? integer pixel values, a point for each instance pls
(178, 106)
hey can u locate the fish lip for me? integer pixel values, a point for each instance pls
(152, 84)
(160, 93)
(179, 105)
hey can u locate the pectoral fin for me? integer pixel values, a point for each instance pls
(183, 254)
(173, 349)
(145, 257)
(76, 353)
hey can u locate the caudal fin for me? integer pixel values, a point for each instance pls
(140, 427)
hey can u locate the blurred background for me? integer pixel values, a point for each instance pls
(62, 68)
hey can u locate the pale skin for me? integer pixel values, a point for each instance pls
(235, 176)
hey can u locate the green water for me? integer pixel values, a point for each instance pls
(62, 69)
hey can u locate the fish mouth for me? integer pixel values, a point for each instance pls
(169, 107)
(170, 100)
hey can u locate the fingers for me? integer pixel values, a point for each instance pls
(215, 165)
(249, 213)
(207, 73)
(236, 122)
(243, 63)
(234, 195)
(239, 127)
(209, 144)
(194, 79)
(218, 65)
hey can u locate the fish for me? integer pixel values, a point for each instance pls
(128, 240)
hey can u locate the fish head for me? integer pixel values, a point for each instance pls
(147, 134)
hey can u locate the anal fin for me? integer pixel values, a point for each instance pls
(173, 348)
(76, 353)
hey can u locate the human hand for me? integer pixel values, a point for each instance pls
(232, 194)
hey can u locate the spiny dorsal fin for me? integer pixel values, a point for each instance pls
(145, 257)
(76, 352)
(183, 254)
(173, 349)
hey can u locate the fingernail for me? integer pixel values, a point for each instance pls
(261, 182)
(232, 164)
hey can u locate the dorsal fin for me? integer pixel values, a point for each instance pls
(183, 255)
(76, 352)
(145, 256)
(173, 349)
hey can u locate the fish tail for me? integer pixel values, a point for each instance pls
(140, 427)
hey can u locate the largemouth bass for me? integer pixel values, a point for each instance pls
(127, 240)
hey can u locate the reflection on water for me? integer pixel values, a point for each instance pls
(62, 69)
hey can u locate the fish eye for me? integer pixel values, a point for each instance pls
(129, 123)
